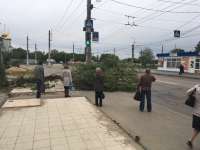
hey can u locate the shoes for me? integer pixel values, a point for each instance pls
(101, 105)
(189, 144)
(67, 96)
(149, 110)
(141, 110)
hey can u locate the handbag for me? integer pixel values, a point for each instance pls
(42, 88)
(103, 95)
(70, 86)
(137, 96)
(190, 100)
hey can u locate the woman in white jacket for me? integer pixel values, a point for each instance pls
(67, 79)
(196, 114)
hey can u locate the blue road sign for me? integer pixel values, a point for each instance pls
(95, 36)
(177, 33)
(88, 23)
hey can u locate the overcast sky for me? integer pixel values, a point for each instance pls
(155, 22)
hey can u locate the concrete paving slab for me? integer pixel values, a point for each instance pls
(21, 90)
(71, 123)
(21, 103)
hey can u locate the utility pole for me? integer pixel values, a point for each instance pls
(27, 61)
(73, 49)
(88, 48)
(49, 64)
(35, 53)
(162, 49)
(133, 53)
(114, 53)
(175, 46)
(133, 50)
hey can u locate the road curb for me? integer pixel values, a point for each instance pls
(175, 75)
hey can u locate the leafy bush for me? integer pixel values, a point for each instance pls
(117, 76)
(15, 63)
(3, 78)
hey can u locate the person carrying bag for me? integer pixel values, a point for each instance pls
(196, 113)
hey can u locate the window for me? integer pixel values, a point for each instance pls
(197, 64)
(173, 63)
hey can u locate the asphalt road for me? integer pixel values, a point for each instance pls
(170, 92)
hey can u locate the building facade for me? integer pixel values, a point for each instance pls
(6, 41)
(172, 61)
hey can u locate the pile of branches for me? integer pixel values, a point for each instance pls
(20, 81)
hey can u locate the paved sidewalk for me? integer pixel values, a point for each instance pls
(176, 74)
(61, 124)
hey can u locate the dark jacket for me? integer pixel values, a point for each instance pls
(39, 73)
(145, 81)
(98, 82)
(181, 68)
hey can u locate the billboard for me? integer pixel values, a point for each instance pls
(185, 62)
(160, 61)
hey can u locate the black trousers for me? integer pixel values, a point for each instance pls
(98, 95)
(38, 83)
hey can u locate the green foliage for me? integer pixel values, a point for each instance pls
(197, 47)
(3, 79)
(108, 56)
(122, 77)
(177, 50)
(14, 63)
(129, 60)
(17, 53)
(94, 58)
(146, 56)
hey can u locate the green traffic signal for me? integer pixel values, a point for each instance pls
(87, 42)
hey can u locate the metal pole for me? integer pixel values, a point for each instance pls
(27, 61)
(88, 48)
(49, 64)
(133, 53)
(35, 54)
(73, 51)
(133, 50)
(162, 49)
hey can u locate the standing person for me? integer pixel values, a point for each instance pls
(196, 114)
(181, 67)
(39, 77)
(98, 87)
(67, 79)
(145, 84)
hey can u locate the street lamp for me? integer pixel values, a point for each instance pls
(73, 49)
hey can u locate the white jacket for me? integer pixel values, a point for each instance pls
(196, 108)
(67, 77)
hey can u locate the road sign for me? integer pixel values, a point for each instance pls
(88, 23)
(177, 33)
(95, 36)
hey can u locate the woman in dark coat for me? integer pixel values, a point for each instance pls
(98, 87)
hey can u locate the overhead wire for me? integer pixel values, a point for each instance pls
(64, 14)
(151, 9)
(178, 3)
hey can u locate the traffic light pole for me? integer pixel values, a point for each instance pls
(88, 47)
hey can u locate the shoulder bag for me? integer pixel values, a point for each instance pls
(42, 88)
(137, 96)
(191, 99)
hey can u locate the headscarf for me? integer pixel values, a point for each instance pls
(98, 69)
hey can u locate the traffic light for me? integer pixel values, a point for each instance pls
(88, 38)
